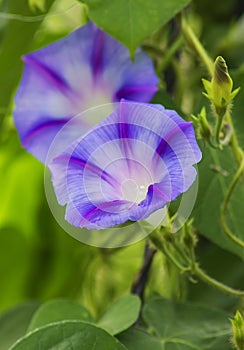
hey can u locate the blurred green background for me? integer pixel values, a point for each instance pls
(38, 260)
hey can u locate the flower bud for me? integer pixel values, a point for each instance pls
(219, 90)
(238, 331)
(203, 126)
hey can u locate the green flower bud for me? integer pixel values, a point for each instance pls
(238, 331)
(219, 89)
(203, 126)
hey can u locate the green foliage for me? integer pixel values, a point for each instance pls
(138, 339)
(64, 335)
(187, 326)
(121, 315)
(58, 310)
(39, 261)
(238, 107)
(14, 323)
(211, 258)
(215, 173)
(131, 21)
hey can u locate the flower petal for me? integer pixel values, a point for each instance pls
(131, 164)
(85, 69)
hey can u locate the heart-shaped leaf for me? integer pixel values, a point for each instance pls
(75, 335)
(131, 21)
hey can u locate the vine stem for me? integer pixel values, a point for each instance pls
(140, 281)
(192, 39)
(169, 54)
(213, 282)
(236, 149)
(226, 202)
(139, 284)
(193, 267)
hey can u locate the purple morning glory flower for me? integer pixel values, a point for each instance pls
(129, 165)
(85, 69)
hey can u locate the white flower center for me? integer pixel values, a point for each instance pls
(133, 191)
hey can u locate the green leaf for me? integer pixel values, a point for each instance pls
(131, 21)
(58, 310)
(68, 335)
(14, 323)
(137, 339)
(121, 315)
(238, 105)
(216, 171)
(187, 326)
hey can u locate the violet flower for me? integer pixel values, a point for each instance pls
(129, 165)
(85, 69)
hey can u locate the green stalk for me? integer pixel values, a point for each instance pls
(193, 41)
(214, 283)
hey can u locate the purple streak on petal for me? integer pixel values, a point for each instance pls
(103, 208)
(162, 193)
(128, 91)
(45, 133)
(165, 141)
(97, 54)
(155, 188)
(93, 168)
(41, 127)
(115, 213)
(123, 132)
(135, 74)
(56, 79)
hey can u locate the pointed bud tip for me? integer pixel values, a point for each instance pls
(221, 75)
(238, 331)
